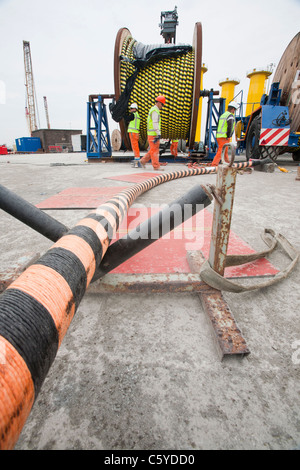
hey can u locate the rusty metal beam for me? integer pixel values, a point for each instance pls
(104, 97)
(227, 335)
(149, 283)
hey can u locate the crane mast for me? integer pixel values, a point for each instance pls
(46, 111)
(30, 90)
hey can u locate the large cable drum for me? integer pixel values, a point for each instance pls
(288, 75)
(172, 71)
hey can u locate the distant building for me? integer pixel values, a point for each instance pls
(59, 140)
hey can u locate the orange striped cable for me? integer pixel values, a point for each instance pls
(98, 229)
(118, 201)
(16, 395)
(82, 250)
(51, 290)
(108, 216)
(112, 206)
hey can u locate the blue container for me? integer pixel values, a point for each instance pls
(28, 144)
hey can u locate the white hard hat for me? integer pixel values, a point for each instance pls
(134, 105)
(233, 104)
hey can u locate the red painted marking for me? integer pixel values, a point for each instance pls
(134, 178)
(265, 132)
(268, 135)
(168, 254)
(272, 134)
(80, 198)
(282, 137)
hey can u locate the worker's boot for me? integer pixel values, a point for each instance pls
(137, 163)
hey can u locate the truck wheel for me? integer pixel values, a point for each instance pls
(252, 141)
(269, 151)
(296, 156)
(253, 149)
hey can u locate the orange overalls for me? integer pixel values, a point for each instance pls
(221, 142)
(134, 139)
(173, 148)
(133, 131)
(153, 153)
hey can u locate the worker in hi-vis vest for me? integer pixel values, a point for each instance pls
(133, 129)
(225, 131)
(154, 133)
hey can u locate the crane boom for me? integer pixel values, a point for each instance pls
(30, 90)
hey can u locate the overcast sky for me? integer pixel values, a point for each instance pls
(72, 47)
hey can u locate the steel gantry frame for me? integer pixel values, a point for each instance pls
(98, 143)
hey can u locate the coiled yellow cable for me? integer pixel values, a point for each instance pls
(172, 77)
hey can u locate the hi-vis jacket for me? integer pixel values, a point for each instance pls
(153, 121)
(134, 124)
(225, 126)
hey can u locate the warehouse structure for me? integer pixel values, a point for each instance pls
(56, 139)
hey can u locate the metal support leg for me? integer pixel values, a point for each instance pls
(227, 334)
(225, 188)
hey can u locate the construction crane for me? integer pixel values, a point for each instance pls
(31, 110)
(46, 111)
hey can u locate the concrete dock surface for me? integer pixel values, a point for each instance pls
(141, 371)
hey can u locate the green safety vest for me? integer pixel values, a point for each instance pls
(134, 125)
(222, 125)
(150, 128)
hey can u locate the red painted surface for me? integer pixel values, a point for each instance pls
(168, 254)
(134, 178)
(80, 198)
